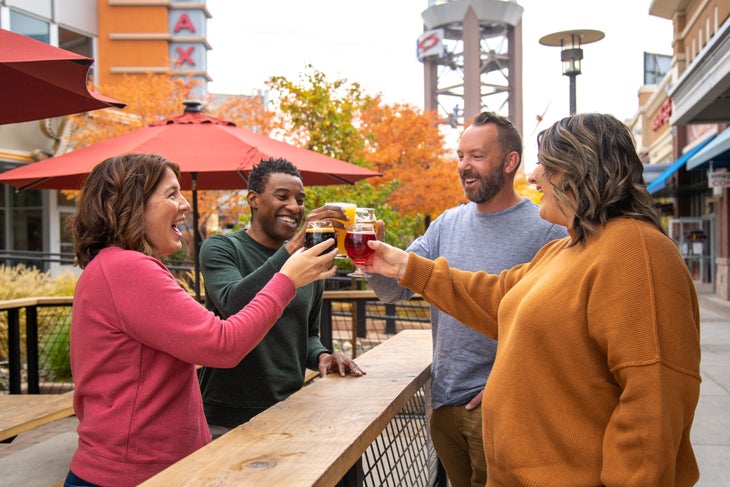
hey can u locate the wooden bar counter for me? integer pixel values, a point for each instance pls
(23, 412)
(314, 436)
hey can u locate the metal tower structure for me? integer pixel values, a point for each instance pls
(471, 52)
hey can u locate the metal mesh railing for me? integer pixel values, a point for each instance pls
(34, 348)
(403, 456)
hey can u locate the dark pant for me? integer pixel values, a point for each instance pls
(73, 481)
(457, 439)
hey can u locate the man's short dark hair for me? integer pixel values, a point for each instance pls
(262, 171)
(509, 137)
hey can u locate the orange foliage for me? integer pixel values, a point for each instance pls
(524, 188)
(405, 144)
(149, 98)
(246, 111)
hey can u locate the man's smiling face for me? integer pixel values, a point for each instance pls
(278, 210)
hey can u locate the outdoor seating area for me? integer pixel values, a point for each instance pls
(379, 438)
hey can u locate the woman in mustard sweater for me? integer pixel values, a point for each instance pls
(597, 373)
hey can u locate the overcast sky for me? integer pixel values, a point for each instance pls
(374, 43)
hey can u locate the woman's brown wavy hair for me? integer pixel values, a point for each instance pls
(111, 206)
(595, 161)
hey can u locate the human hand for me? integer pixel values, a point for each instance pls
(336, 362)
(307, 265)
(387, 260)
(380, 230)
(322, 213)
(475, 401)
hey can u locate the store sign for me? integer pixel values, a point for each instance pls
(718, 179)
(186, 26)
(662, 118)
(431, 44)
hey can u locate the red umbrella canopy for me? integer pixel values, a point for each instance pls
(38, 81)
(216, 151)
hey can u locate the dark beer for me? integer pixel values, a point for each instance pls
(319, 235)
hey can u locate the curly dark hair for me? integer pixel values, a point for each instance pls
(599, 174)
(111, 205)
(261, 172)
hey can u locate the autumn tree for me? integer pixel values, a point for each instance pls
(406, 145)
(324, 116)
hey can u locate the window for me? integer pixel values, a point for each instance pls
(30, 26)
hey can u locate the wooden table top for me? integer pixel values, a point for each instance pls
(313, 437)
(23, 412)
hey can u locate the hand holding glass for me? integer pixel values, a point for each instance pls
(318, 231)
(356, 243)
(349, 210)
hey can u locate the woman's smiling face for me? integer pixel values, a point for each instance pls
(550, 210)
(164, 210)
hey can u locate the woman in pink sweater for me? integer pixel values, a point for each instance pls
(136, 334)
(597, 372)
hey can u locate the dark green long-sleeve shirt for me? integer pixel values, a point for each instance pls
(235, 267)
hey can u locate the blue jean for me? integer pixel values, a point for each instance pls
(73, 481)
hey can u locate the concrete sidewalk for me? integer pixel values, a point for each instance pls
(711, 429)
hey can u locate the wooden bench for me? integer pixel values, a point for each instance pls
(23, 412)
(317, 434)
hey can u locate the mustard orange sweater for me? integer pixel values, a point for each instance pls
(597, 376)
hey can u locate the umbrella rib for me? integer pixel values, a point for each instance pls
(34, 183)
(343, 180)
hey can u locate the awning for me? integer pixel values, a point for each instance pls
(661, 181)
(717, 152)
(652, 171)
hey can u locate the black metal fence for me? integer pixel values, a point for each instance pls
(34, 334)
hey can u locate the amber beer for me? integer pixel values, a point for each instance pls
(349, 210)
(318, 232)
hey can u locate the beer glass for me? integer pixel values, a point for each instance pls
(318, 231)
(349, 210)
(356, 243)
(365, 215)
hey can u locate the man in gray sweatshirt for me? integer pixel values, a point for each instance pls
(496, 230)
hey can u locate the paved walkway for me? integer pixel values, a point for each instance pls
(711, 428)
(710, 433)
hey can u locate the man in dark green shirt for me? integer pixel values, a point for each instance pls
(237, 266)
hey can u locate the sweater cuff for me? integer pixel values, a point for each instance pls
(283, 282)
(417, 273)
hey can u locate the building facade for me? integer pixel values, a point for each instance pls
(126, 38)
(689, 112)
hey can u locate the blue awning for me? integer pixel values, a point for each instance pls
(661, 181)
(718, 152)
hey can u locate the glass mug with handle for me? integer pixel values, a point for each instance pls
(356, 242)
(349, 210)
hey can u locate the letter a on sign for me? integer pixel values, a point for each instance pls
(184, 22)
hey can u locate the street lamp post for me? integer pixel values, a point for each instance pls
(571, 53)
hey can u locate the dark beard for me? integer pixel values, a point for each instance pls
(490, 185)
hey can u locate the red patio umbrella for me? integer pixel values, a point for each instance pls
(212, 154)
(38, 81)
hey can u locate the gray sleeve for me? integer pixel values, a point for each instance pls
(387, 288)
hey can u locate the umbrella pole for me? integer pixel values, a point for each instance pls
(196, 233)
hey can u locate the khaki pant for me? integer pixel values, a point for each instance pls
(457, 439)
